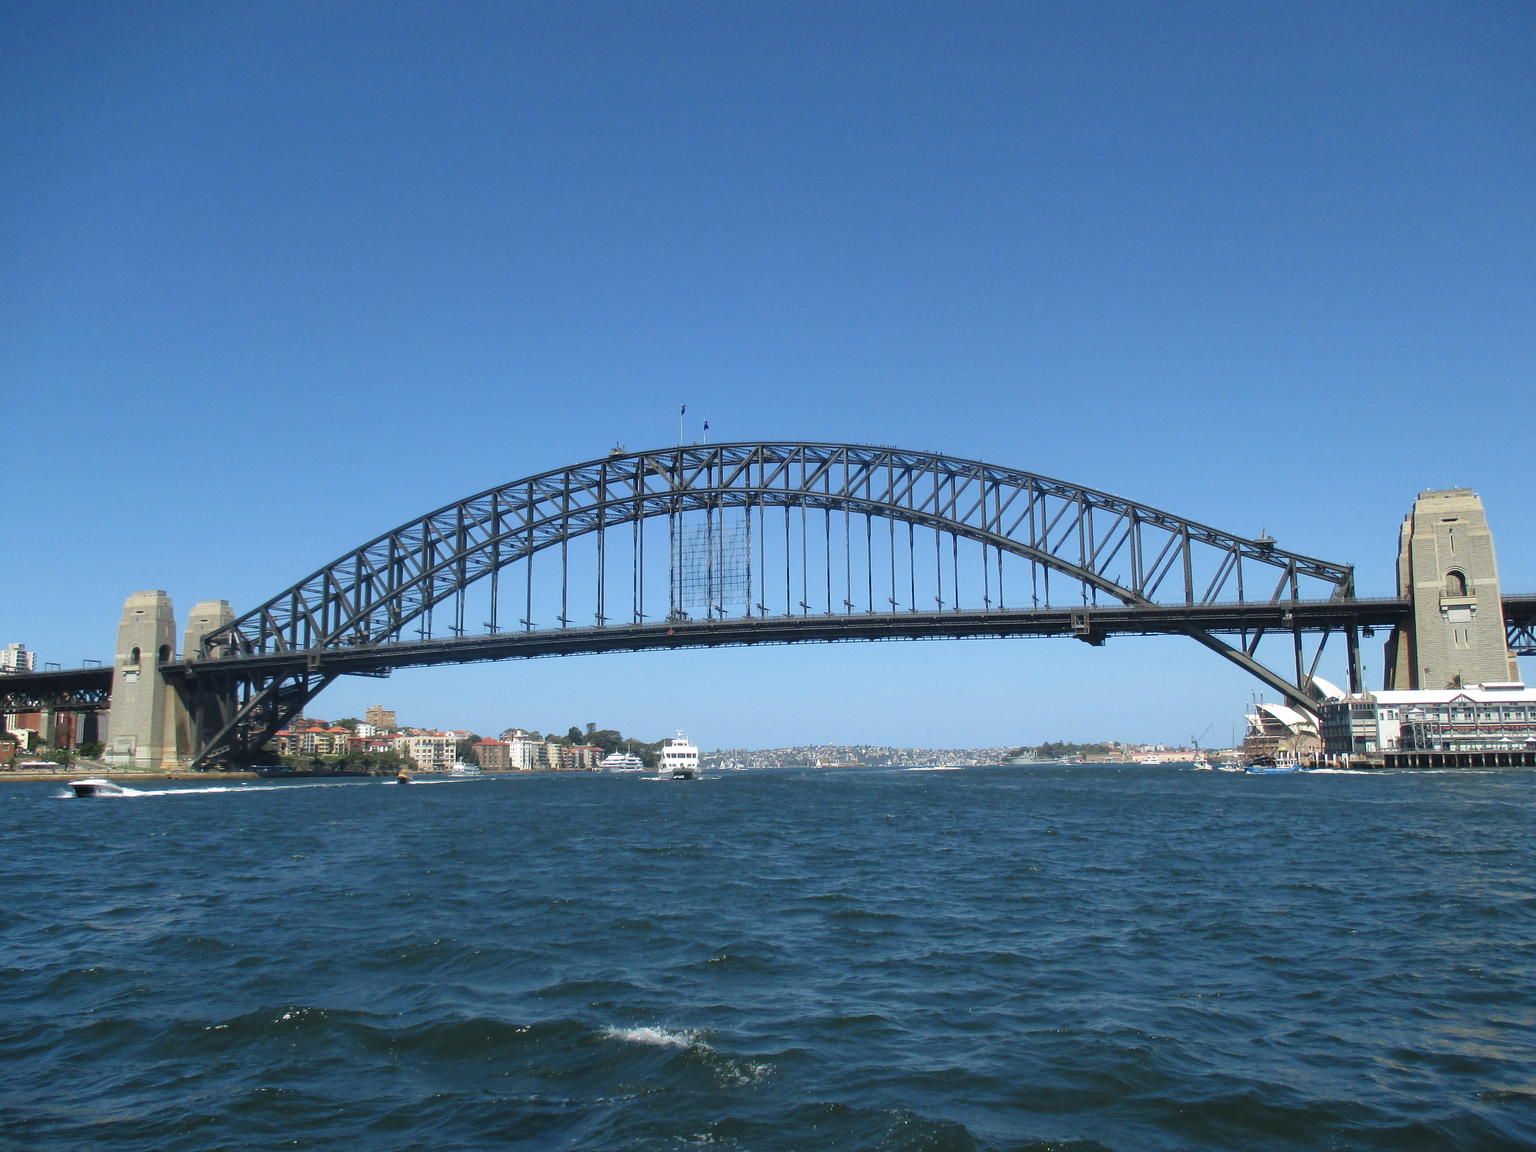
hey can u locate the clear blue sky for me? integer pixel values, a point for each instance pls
(281, 276)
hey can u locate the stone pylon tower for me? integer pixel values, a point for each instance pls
(1446, 568)
(207, 616)
(143, 724)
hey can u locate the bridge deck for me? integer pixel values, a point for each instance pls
(1091, 623)
(86, 689)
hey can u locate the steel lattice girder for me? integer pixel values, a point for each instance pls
(351, 614)
(1520, 623)
(67, 690)
(369, 596)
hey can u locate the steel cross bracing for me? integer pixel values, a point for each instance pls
(63, 690)
(1520, 624)
(1009, 542)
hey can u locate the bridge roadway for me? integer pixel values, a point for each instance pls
(88, 689)
(1092, 624)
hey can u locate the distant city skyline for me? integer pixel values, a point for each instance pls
(288, 276)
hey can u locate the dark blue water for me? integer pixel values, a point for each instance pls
(985, 959)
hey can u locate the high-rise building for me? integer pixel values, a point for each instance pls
(16, 658)
(380, 717)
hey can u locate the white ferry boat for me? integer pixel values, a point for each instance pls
(679, 759)
(621, 762)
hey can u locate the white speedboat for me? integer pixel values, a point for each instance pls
(679, 759)
(98, 787)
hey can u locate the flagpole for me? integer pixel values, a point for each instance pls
(680, 413)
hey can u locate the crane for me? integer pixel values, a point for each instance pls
(1195, 740)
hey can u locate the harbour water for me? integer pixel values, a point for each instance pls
(1052, 958)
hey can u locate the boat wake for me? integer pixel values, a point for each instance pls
(658, 1036)
(246, 787)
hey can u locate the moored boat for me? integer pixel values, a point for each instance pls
(622, 762)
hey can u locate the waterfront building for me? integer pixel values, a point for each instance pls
(524, 753)
(431, 751)
(1482, 724)
(1280, 732)
(493, 755)
(374, 742)
(579, 757)
(313, 741)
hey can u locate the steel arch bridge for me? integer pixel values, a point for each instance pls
(749, 543)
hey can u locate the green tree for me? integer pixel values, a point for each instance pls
(605, 738)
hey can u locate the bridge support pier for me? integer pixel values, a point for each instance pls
(205, 704)
(142, 727)
(1446, 569)
(150, 725)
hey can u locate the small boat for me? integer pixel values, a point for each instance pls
(1279, 768)
(679, 759)
(403, 777)
(99, 787)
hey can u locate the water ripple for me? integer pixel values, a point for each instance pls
(1080, 960)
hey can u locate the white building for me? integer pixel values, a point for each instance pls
(525, 753)
(1493, 722)
(1281, 732)
(16, 658)
(430, 751)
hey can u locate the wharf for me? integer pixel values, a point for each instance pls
(1513, 758)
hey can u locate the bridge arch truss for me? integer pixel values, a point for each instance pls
(738, 544)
